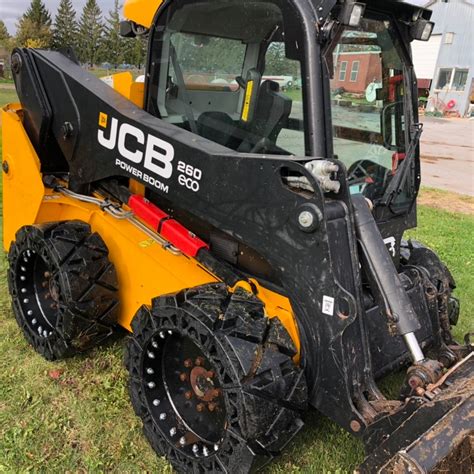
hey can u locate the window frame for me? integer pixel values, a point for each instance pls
(341, 71)
(353, 71)
(448, 82)
(456, 71)
(449, 86)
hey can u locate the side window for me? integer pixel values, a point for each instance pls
(343, 71)
(444, 78)
(226, 77)
(355, 71)
(208, 63)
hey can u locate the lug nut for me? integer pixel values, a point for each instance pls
(188, 363)
(183, 377)
(200, 407)
(188, 395)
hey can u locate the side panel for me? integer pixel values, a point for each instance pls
(144, 268)
(22, 185)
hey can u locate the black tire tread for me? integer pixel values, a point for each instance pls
(266, 392)
(89, 286)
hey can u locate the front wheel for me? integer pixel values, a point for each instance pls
(213, 380)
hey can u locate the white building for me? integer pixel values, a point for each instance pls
(447, 59)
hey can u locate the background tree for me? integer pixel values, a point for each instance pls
(90, 37)
(135, 51)
(114, 44)
(4, 35)
(65, 28)
(34, 27)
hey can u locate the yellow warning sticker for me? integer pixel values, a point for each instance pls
(103, 120)
(247, 99)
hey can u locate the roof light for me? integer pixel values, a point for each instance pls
(352, 13)
(421, 30)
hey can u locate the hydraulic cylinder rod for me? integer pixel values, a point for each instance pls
(383, 278)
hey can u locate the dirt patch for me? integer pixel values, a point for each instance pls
(446, 201)
(435, 158)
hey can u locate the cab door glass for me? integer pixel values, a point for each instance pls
(222, 72)
(368, 105)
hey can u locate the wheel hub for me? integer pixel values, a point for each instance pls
(183, 393)
(202, 383)
(39, 293)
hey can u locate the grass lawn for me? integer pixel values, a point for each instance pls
(75, 415)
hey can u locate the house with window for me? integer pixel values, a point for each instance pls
(445, 64)
(355, 70)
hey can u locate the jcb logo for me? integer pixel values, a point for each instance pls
(134, 146)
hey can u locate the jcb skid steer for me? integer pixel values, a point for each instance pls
(241, 212)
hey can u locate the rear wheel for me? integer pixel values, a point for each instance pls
(63, 287)
(213, 380)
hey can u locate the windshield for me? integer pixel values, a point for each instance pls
(369, 107)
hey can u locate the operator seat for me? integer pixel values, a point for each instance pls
(271, 113)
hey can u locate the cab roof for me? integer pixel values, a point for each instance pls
(142, 12)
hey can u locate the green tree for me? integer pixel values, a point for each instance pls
(114, 51)
(34, 27)
(135, 51)
(90, 37)
(38, 13)
(4, 35)
(65, 28)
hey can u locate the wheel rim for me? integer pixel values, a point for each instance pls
(38, 293)
(183, 394)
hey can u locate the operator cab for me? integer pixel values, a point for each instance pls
(250, 76)
(223, 73)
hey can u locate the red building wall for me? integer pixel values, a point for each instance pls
(369, 70)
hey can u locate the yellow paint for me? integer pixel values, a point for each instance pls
(144, 268)
(136, 187)
(279, 306)
(137, 93)
(22, 186)
(247, 100)
(103, 120)
(141, 12)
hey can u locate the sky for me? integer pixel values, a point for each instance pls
(11, 10)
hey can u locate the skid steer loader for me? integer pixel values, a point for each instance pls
(249, 238)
